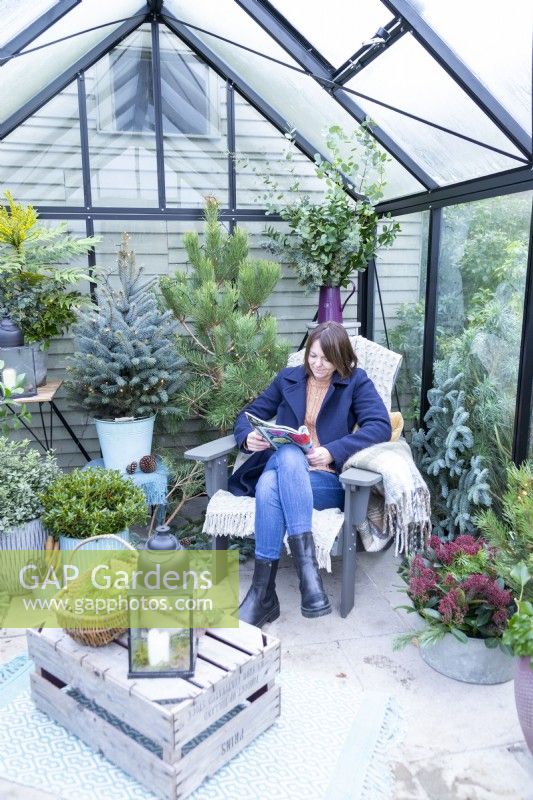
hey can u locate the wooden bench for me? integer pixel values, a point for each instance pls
(167, 733)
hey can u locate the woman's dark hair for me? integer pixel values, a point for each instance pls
(336, 346)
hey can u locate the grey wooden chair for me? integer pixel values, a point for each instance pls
(382, 367)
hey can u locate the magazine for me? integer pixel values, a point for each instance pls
(278, 435)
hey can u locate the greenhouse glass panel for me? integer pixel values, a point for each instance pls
(481, 282)
(408, 78)
(34, 70)
(262, 150)
(337, 29)
(120, 120)
(148, 239)
(301, 102)
(17, 16)
(194, 126)
(399, 307)
(494, 42)
(40, 161)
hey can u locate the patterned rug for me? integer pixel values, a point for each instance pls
(332, 742)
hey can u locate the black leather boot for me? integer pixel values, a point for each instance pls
(261, 603)
(315, 601)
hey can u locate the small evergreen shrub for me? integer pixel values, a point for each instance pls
(24, 475)
(88, 503)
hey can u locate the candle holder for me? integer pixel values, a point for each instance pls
(160, 652)
(19, 362)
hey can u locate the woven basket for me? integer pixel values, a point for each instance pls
(106, 629)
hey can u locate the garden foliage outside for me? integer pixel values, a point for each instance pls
(469, 426)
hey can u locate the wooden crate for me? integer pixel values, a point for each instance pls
(193, 725)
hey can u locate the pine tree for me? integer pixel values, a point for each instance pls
(125, 361)
(457, 479)
(232, 351)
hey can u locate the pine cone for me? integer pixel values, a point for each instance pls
(130, 469)
(148, 464)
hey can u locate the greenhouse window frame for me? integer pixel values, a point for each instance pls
(455, 67)
(365, 54)
(36, 29)
(524, 386)
(62, 81)
(318, 68)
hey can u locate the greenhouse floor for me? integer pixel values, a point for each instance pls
(455, 740)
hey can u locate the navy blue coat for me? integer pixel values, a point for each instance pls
(348, 401)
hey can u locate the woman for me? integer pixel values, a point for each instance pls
(330, 395)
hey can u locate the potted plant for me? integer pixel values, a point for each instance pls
(38, 295)
(512, 534)
(125, 368)
(24, 475)
(85, 503)
(465, 604)
(519, 637)
(231, 348)
(330, 239)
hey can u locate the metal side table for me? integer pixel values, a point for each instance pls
(46, 395)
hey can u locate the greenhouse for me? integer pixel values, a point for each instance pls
(266, 309)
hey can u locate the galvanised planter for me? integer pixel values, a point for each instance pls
(470, 662)
(70, 543)
(29, 536)
(124, 442)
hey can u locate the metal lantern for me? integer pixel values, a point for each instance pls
(18, 362)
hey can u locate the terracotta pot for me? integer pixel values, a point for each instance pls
(523, 693)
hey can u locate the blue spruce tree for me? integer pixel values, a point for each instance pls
(125, 362)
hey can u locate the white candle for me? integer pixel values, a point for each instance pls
(9, 377)
(158, 647)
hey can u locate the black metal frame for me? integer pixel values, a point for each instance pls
(321, 71)
(158, 115)
(393, 30)
(524, 404)
(462, 75)
(35, 29)
(430, 308)
(434, 199)
(69, 75)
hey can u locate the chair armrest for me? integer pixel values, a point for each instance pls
(359, 477)
(212, 450)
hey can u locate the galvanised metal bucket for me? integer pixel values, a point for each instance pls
(124, 442)
(470, 662)
(28, 536)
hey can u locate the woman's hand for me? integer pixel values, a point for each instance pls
(255, 442)
(319, 457)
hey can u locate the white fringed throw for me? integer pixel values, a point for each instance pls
(228, 515)
(400, 505)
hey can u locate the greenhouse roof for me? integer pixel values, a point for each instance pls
(447, 84)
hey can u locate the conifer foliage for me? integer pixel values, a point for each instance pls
(457, 479)
(125, 361)
(231, 349)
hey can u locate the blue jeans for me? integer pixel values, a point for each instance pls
(285, 496)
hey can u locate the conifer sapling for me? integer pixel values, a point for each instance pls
(231, 349)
